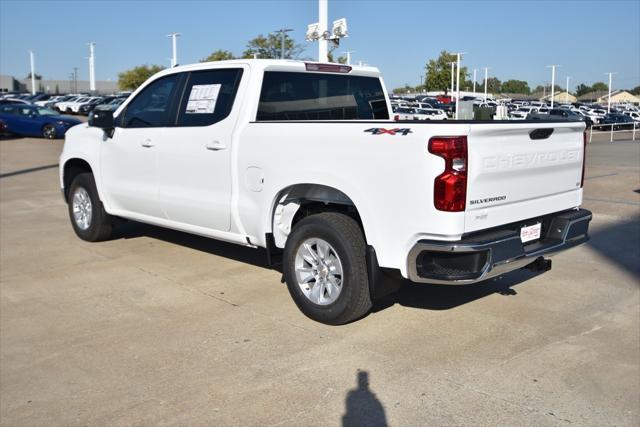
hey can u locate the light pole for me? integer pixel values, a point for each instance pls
(323, 17)
(609, 97)
(349, 52)
(474, 81)
(458, 56)
(33, 72)
(283, 36)
(451, 93)
(75, 79)
(553, 81)
(174, 45)
(92, 69)
(566, 97)
(486, 78)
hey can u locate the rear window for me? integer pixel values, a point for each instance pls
(311, 96)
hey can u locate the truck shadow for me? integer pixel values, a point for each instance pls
(446, 297)
(423, 296)
(256, 257)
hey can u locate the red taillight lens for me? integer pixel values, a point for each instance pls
(396, 117)
(450, 187)
(584, 156)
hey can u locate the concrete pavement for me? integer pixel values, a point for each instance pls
(162, 328)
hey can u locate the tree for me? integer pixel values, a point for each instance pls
(635, 90)
(493, 85)
(131, 79)
(269, 47)
(218, 55)
(340, 60)
(37, 76)
(405, 89)
(582, 89)
(439, 72)
(516, 86)
(599, 86)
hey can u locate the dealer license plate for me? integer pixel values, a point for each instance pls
(532, 232)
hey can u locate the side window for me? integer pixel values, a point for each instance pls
(208, 96)
(152, 107)
(8, 109)
(315, 96)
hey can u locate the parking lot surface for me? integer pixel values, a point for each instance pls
(159, 327)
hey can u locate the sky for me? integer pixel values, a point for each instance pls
(516, 39)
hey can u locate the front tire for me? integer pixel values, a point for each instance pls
(325, 268)
(89, 219)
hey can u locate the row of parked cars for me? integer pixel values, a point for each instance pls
(47, 115)
(423, 108)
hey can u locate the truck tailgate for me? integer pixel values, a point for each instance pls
(522, 170)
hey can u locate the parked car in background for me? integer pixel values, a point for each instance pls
(522, 112)
(62, 106)
(619, 121)
(432, 114)
(85, 109)
(14, 101)
(633, 114)
(561, 114)
(45, 101)
(75, 107)
(403, 113)
(31, 120)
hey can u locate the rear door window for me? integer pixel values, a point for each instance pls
(208, 96)
(315, 96)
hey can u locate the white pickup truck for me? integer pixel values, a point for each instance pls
(304, 160)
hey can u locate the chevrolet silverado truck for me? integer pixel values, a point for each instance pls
(303, 159)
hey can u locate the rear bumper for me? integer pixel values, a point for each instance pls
(482, 255)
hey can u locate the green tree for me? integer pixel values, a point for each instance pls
(36, 75)
(439, 72)
(340, 60)
(582, 88)
(599, 86)
(635, 90)
(269, 47)
(405, 89)
(493, 85)
(218, 55)
(131, 79)
(516, 86)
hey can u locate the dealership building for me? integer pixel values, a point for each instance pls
(11, 84)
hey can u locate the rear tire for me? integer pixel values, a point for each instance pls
(325, 268)
(88, 218)
(49, 132)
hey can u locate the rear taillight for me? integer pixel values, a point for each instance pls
(396, 117)
(450, 187)
(584, 156)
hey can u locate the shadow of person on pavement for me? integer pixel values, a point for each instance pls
(362, 406)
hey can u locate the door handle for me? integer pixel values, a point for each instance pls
(147, 143)
(215, 146)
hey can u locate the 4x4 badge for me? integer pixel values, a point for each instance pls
(381, 131)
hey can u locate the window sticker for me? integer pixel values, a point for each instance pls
(202, 99)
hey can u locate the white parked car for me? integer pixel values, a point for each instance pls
(432, 114)
(522, 112)
(633, 114)
(75, 106)
(64, 106)
(304, 160)
(403, 113)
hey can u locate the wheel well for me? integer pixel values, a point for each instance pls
(73, 168)
(299, 201)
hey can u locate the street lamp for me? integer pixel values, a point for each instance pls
(174, 44)
(474, 81)
(553, 81)
(609, 97)
(566, 97)
(452, 65)
(283, 35)
(486, 77)
(349, 52)
(33, 72)
(92, 65)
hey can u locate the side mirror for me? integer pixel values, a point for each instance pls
(103, 120)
